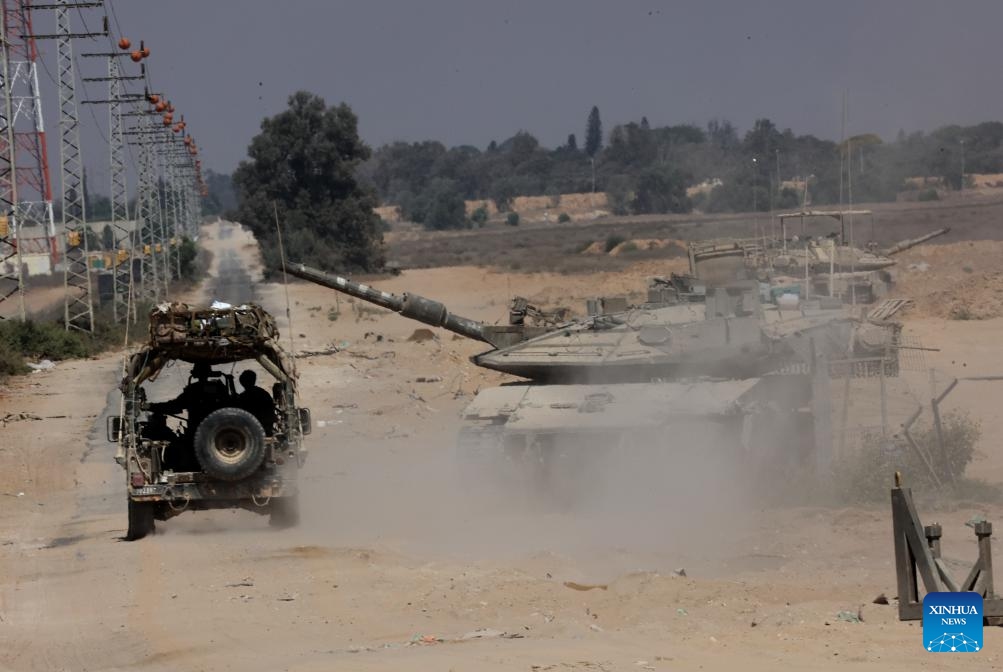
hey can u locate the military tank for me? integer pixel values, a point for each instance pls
(828, 265)
(749, 377)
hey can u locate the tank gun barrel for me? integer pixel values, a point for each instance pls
(413, 306)
(904, 245)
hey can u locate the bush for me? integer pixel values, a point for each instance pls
(194, 260)
(628, 248)
(612, 240)
(866, 476)
(479, 216)
(619, 193)
(49, 339)
(563, 217)
(512, 219)
(928, 195)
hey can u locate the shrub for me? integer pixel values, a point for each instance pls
(563, 217)
(512, 219)
(479, 216)
(866, 475)
(612, 240)
(48, 339)
(928, 195)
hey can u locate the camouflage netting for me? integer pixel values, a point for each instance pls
(179, 323)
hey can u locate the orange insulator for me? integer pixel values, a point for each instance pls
(188, 140)
(161, 106)
(169, 117)
(153, 98)
(170, 107)
(124, 43)
(177, 127)
(167, 122)
(136, 56)
(144, 50)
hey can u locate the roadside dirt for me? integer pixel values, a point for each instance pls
(400, 566)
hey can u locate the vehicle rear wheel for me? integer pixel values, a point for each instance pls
(141, 521)
(230, 444)
(285, 512)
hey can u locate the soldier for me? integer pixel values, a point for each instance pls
(256, 401)
(199, 398)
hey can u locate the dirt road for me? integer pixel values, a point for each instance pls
(397, 565)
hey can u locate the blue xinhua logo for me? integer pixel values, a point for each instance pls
(952, 622)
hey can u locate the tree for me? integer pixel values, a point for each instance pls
(221, 196)
(304, 162)
(107, 237)
(572, 143)
(593, 133)
(661, 190)
(440, 206)
(619, 193)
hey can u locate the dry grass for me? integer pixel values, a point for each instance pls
(558, 247)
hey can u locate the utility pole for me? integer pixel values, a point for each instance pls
(149, 235)
(78, 303)
(123, 305)
(962, 141)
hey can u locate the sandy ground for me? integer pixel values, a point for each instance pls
(398, 564)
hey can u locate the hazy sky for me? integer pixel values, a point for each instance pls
(469, 71)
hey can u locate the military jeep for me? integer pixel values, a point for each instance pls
(210, 447)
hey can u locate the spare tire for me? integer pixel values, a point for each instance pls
(230, 444)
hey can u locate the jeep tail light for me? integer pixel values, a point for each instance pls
(138, 480)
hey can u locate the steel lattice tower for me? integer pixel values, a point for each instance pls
(146, 215)
(11, 278)
(30, 186)
(126, 237)
(79, 305)
(125, 243)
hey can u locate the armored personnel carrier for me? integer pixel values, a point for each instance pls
(210, 447)
(755, 373)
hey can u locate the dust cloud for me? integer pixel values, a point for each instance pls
(597, 507)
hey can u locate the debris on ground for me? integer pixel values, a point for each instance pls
(679, 571)
(584, 586)
(880, 599)
(331, 349)
(428, 379)
(849, 617)
(44, 365)
(488, 633)
(17, 417)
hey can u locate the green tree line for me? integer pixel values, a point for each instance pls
(309, 163)
(647, 169)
